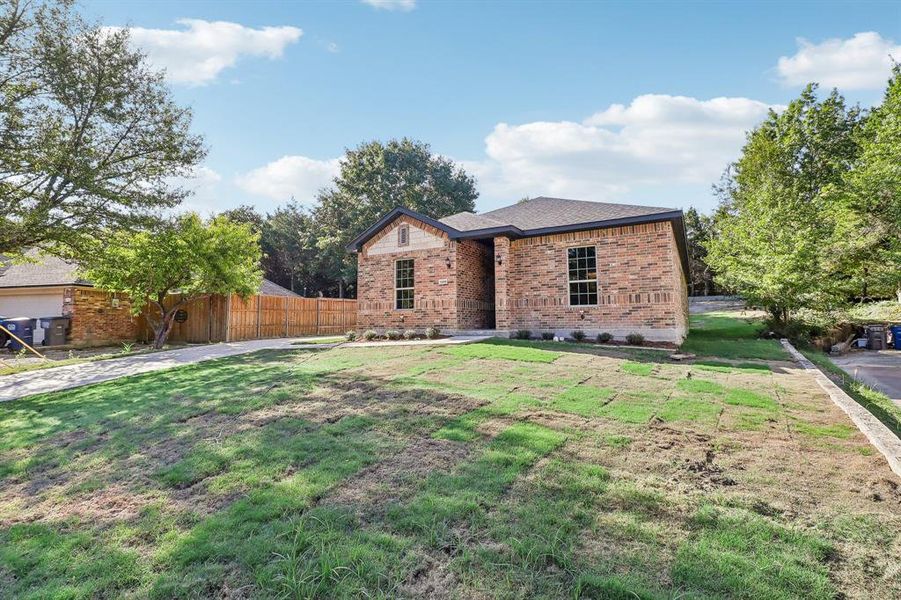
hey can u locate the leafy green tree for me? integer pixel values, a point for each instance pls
(186, 256)
(773, 222)
(90, 138)
(374, 179)
(698, 231)
(867, 203)
(293, 257)
(247, 214)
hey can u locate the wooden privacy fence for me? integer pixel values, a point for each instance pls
(221, 319)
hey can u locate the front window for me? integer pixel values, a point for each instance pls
(403, 284)
(583, 276)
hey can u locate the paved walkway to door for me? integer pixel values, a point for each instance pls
(54, 379)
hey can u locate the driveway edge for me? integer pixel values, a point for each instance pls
(880, 436)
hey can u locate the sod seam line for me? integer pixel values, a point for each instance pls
(880, 436)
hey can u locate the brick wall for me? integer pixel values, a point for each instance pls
(475, 288)
(641, 287)
(640, 284)
(434, 296)
(95, 321)
(450, 297)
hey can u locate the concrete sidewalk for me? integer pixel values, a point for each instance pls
(453, 340)
(53, 379)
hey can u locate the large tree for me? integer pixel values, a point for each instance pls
(292, 251)
(90, 138)
(867, 204)
(374, 179)
(698, 231)
(184, 255)
(773, 220)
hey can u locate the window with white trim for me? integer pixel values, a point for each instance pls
(403, 284)
(583, 276)
(403, 235)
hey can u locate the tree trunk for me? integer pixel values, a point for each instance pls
(898, 293)
(160, 334)
(163, 328)
(340, 288)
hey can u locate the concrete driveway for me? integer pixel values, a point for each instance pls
(54, 379)
(881, 370)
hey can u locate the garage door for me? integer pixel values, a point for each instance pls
(32, 304)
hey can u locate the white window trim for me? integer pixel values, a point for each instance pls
(413, 287)
(597, 286)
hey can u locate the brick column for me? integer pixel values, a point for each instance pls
(503, 294)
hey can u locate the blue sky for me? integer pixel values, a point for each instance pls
(632, 102)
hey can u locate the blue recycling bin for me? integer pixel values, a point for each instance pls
(896, 336)
(22, 328)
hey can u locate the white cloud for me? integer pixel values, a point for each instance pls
(198, 54)
(859, 63)
(399, 5)
(659, 150)
(657, 140)
(296, 176)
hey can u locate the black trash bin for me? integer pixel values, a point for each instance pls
(56, 329)
(22, 328)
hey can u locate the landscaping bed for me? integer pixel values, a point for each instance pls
(495, 469)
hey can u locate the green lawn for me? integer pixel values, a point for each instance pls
(493, 470)
(728, 335)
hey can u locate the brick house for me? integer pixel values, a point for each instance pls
(546, 265)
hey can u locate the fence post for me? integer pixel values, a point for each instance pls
(209, 319)
(259, 312)
(318, 300)
(287, 302)
(228, 318)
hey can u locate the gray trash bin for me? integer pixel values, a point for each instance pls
(876, 337)
(56, 329)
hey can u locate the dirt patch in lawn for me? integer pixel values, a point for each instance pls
(396, 478)
(432, 579)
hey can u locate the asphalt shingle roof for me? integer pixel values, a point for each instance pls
(48, 271)
(467, 221)
(538, 213)
(268, 288)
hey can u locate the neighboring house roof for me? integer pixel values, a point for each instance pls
(48, 271)
(539, 216)
(51, 271)
(268, 288)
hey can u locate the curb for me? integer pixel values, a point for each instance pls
(880, 436)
